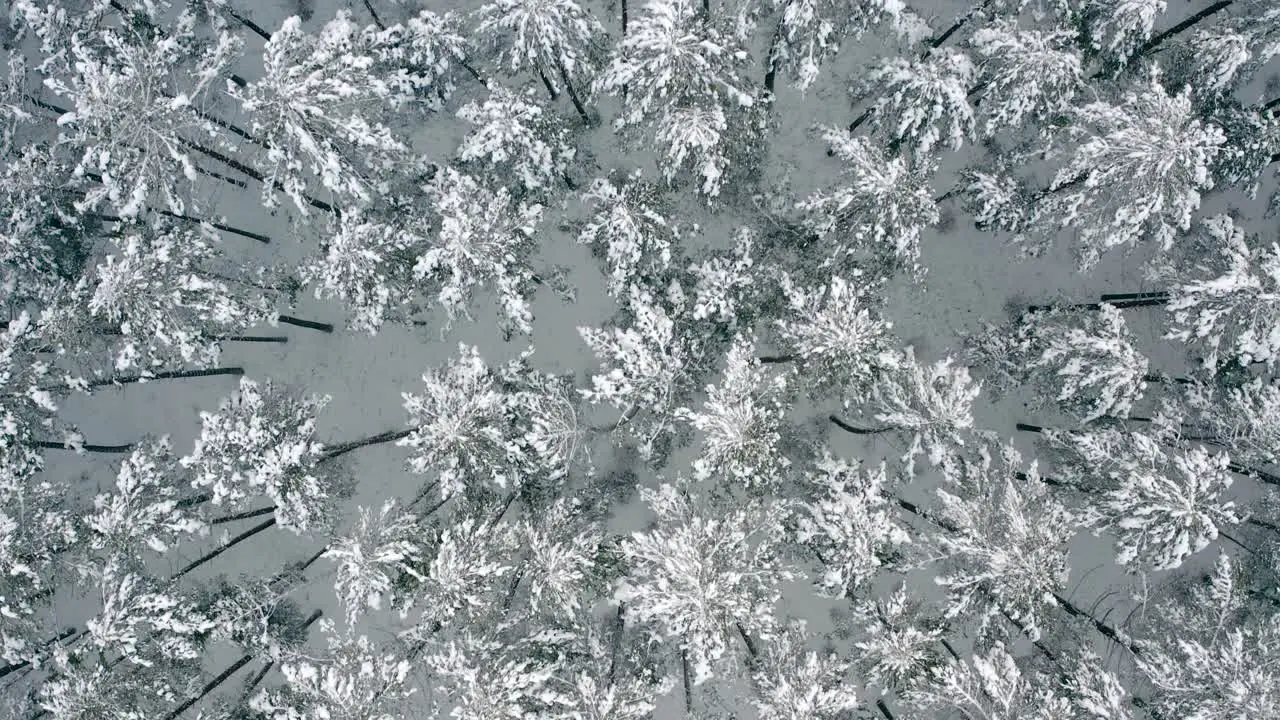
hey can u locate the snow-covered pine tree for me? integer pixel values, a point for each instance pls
(650, 366)
(1025, 75)
(930, 404)
(1214, 652)
(811, 32)
(678, 71)
(1160, 504)
(1148, 147)
(366, 261)
(628, 228)
(836, 334)
(371, 557)
(135, 101)
(991, 685)
(705, 577)
(174, 296)
(1223, 299)
(321, 104)
(876, 215)
(791, 680)
(353, 680)
(741, 422)
(467, 428)
(849, 524)
(920, 104)
(516, 136)
(1086, 362)
(484, 237)
(1005, 543)
(261, 444)
(559, 41)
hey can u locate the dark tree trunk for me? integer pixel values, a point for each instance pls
(385, 437)
(14, 667)
(616, 646)
(1259, 475)
(257, 29)
(857, 430)
(231, 670)
(255, 174)
(1122, 304)
(771, 59)
(884, 709)
(220, 226)
(175, 375)
(1151, 295)
(210, 686)
(256, 680)
(960, 22)
(279, 339)
(110, 449)
(266, 524)
(752, 650)
(546, 82)
(1191, 21)
(857, 123)
(688, 682)
(374, 14)
(573, 94)
(1107, 631)
(776, 359)
(309, 324)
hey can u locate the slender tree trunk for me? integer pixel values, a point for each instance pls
(473, 72)
(257, 29)
(243, 515)
(210, 686)
(255, 174)
(172, 375)
(771, 58)
(225, 674)
(776, 359)
(306, 564)
(960, 22)
(309, 324)
(220, 226)
(1106, 630)
(1150, 295)
(688, 683)
(1155, 42)
(264, 525)
(573, 94)
(706, 11)
(752, 650)
(106, 449)
(616, 645)
(14, 667)
(374, 14)
(857, 123)
(278, 339)
(1122, 304)
(884, 709)
(256, 680)
(857, 430)
(384, 437)
(1158, 378)
(546, 81)
(1259, 475)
